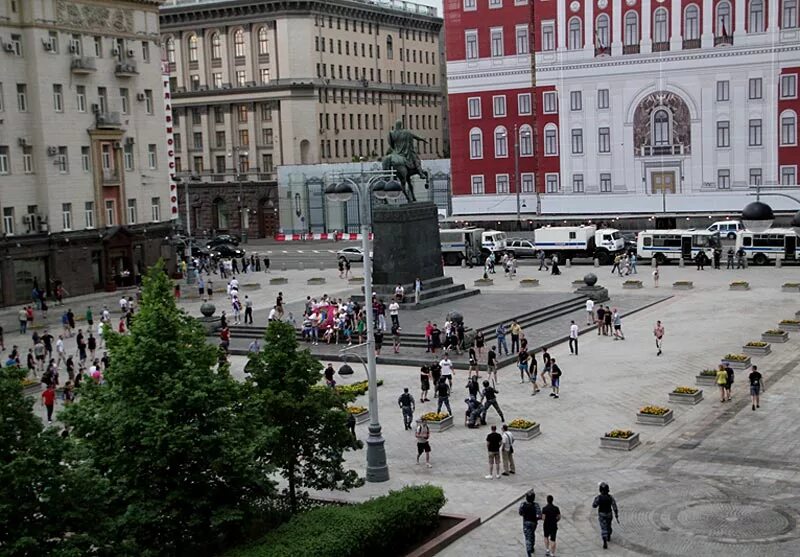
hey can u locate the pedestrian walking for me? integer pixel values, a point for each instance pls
(655, 277)
(330, 376)
(531, 515)
(394, 312)
(616, 320)
(507, 452)
(522, 364)
(493, 443)
(589, 311)
(49, 400)
(417, 289)
(555, 378)
(407, 406)
(616, 266)
(516, 330)
(423, 434)
(500, 333)
(554, 270)
(489, 399)
(443, 396)
(729, 382)
(573, 338)
(634, 271)
(605, 505)
(658, 332)
(551, 515)
(756, 387)
(395, 338)
(424, 383)
(266, 263)
(491, 365)
(722, 382)
(446, 365)
(341, 267)
(248, 310)
(543, 261)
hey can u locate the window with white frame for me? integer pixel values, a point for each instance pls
(575, 34)
(577, 183)
(22, 97)
(550, 102)
(527, 182)
(496, 35)
(577, 141)
(755, 133)
(148, 101)
(548, 35)
(524, 104)
(127, 157)
(789, 15)
(132, 212)
(551, 183)
(475, 144)
(500, 142)
(789, 86)
(474, 107)
(88, 214)
(111, 213)
(193, 48)
(8, 220)
(477, 185)
(603, 101)
(125, 100)
(86, 159)
(470, 5)
(605, 183)
(788, 175)
(471, 38)
(755, 89)
(691, 22)
(62, 162)
(81, 98)
(58, 97)
(756, 177)
(493, 4)
(724, 179)
(239, 48)
(723, 133)
(755, 16)
(575, 101)
(499, 106)
(66, 216)
(501, 183)
(723, 91)
(155, 209)
(661, 26)
(522, 40)
(263, 41)
(723, 20)
(602, 31)
(604, 140)
(5, 164)
(788, 129)
(631, 28)
(525, 141)
(551, 141)
(152, 156)
(27, 160)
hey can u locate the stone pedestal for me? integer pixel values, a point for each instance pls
(591, 290)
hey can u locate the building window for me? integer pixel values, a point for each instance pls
(263, 75)
(661, 26)
(496, 35)
(789, 86)
(755, 17)
(244, 138)
(788, 129)
(132, 216)
(477, 185)
(691, 23)
(475, 144)
(5, 165)
(500, 142)
(548, 35)
(146, 51)
(527, 183)
(22, 97)
(551, 141)
(152, 156)
(390, 48)
(788, 175)
(2, 100)
(631, 28)
(789, 19)
(723, 134)
(267, 164)
(111, 213)
(263, 46)
(723, 91)
(58, 98)
(238, 43)
(241, 113)
(575, 41)
(124, 98)
(494, 4)
(501, 183)
(471, 38)
(193, 48)
(499, 106)
(755, 133)
(522, 40)
(755, 177)
(550, 102)
(604, 140)
(661, 130)
(577, 183)
(602, 99)
(98, 47)
(88, 214)
(148, 101)
(155, 209)
(169, 47)
(470, 5)
(754, 89)
(197, 138)
(62, 161)
(216, 47)
(601, 30)
(127, 157)
(474, 107)
(525, 141)
(16, 44)
(551, 183)
(27, 160)
(524, 104)
(577, 142)
(605, 183)
(575, 101)
(66, 216)
(723, 21)
(8, 220)
(86, 159)
(81, 98)
(724, 179)
(219, 115)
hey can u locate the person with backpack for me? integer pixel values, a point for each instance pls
(605, 505)
(531, 514)
(507, 452)
(422, 434)
(406, 404)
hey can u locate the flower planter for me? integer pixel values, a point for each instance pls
(279, 280)
(738, 366)
(683, 285)
(361, 417)
(356, 280)
(772, 337)
(628, 285)
(316, 280)
(789, 326)
(525, 434)
(484, 282)
(739, 287)
(686, 398)
(440, 426)
(33, 389)
(654, 419)
(527, 283)
(705, 380)
(756, 350)
(620, 444)
(790, 287)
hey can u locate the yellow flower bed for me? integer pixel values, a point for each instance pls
(356, 410)
(434, 416)
(736, 357)
(709, 372)
(775, 332)
(29, 383)
(685, 390)
(756, 344)
(791, 284)
(520, 423)
(653, 410)
(789, 322)
(740, 283)
(620, 433)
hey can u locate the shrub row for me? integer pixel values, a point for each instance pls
(382, 526)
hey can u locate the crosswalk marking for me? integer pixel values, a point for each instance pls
(315, 251)
(299, 251)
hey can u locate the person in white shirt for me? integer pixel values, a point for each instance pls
(60, 350)
(573, 338)
(106, 317)
(273, 314)
(394, 313)
(447, 368)
(589, 312)
(399, 293)
(417, 290)
(123, 304)
(234, 284)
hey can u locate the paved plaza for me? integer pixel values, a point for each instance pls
(720, 480)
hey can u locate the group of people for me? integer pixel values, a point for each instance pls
(625, 264)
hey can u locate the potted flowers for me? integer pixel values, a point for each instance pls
(654, 415)
(529, 282)
(775, 335)
(632, 284)
(739, 285)
(707, 378)
(757, 348)
(485, 281)
(686, 395)
(790, 287)
(620, 439)
(683, 285)
(360, 413)
(737, 361)
(316, 280)
(31, 386)
(524, 429)
(279, 280)
(438, 421)
(790, 324)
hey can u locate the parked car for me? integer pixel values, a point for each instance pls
(230, 239)
(726, 228)
(521, 248)
(352, 254)
(226, 251)
(200, 251)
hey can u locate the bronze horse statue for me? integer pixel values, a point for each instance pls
(403, 172)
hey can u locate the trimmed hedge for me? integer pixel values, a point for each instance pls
(382, 526)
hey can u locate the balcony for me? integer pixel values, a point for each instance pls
(630, 49)
(108, 120)
(689, 44)
(663, 150)
(110, 177)
(126, 69)
(725, 40)
(83, 65)
(602, 51)
(661, 47)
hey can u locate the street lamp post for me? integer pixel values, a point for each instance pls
(370, 182)
(238, 152)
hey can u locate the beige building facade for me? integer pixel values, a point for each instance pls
(84, 193)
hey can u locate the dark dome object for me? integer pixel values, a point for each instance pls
(345, 370)
(455, 317)
(796, 223)
(208, 309)
(590, 279)
(757, 216)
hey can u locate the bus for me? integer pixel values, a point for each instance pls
(764, 247)
(669, 245)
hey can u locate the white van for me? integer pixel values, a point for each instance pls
(494, 240)
(726, 228)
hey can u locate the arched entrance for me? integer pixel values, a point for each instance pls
(305, 148)
(267, 218)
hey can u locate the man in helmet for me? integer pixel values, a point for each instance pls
(605, 505)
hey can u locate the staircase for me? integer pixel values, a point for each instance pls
(434, 291)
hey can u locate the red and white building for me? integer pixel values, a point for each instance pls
(625, 106)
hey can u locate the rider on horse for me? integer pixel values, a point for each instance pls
(403, 158)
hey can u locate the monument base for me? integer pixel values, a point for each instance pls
(594, 293)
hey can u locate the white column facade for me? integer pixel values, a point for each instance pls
(676, 17)
(616, 28)
(561, 19)
(707, 38)
(646, 25)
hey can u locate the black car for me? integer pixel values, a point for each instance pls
(230, 239)
(200, 251)
(226, 251)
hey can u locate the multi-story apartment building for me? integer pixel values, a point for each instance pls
(621, 106)
(84, 192)
(258, 84)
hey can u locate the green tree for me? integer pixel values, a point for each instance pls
(173, 435)
(309, 425)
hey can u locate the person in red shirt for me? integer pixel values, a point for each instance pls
(121, 327)
(225, 338)
(49, 401)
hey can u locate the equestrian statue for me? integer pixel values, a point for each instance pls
(403, 159)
